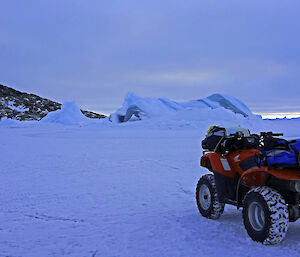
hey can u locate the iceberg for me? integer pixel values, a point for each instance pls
(136, 107)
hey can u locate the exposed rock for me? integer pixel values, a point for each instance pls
(93, 115)
(22, 106)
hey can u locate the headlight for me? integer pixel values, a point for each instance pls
(297, 186)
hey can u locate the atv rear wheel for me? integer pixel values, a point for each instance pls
(207, 198)
(265, 215)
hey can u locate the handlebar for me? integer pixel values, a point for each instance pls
(263, 134)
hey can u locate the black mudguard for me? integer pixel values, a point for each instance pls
(226, 187)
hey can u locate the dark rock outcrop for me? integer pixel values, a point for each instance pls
(22, 106)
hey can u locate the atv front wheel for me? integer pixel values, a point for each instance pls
(207, 198)
(265, 215)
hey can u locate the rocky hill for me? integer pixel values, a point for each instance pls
(22, 106)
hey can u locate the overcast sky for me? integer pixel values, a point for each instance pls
(95, 51)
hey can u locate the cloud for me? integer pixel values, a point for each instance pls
(95, 51)
(175, 77)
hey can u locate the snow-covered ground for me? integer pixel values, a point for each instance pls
(113, 191)
(104, 189)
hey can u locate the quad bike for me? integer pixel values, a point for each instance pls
(268, 195)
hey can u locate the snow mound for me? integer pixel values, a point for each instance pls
(69, 114)
(161, 107)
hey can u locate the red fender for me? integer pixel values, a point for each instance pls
(258, 176)
(218, 163)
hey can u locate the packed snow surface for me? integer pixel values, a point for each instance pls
(103, 189)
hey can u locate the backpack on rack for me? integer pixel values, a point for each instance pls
(214, 138)
(224, 140)
(285, 154)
